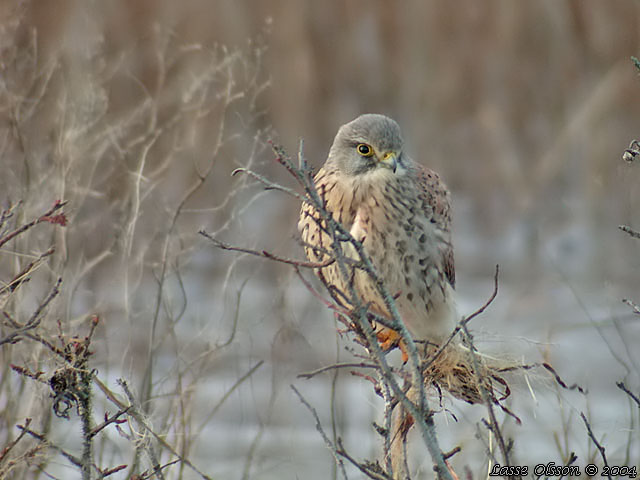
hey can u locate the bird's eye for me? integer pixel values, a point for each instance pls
(365, 150)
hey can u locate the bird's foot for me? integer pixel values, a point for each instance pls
(390, 339)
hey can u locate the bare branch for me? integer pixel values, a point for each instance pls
(327, 442)
(336, 366)
(36, 317)
(464, 321)
(371, 470)
(561, 382)
(115, 418)
(487, 397)
(23, 276)
(633, 233)
(595, 441)
(13, 443)
(43, 439)
(46, 217)
(142, 422)
(269, 184)
(633, 305)
(233, 388)
(266, 254)
(633, 396)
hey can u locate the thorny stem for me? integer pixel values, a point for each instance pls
(87, 423)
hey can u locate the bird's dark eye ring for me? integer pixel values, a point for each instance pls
(365, 150)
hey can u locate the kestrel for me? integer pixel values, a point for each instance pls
(400, 211)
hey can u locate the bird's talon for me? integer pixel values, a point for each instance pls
(390, 339)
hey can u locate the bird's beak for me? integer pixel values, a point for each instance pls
(390, 161)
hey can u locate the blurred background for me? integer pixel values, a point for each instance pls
(138, 112)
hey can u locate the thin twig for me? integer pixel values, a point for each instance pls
(464, 321)
(151, 473)
(561, 382)
(339, 310)
(228, 393)
(115, 418)
(452, 452)
(320, 430)
(14, 442)
(489, 301)
(110, 471)
(269, 184)
(624, 388)
(266, 254)
(43, 439)
(486, 396)
(313, 373)
(141, 421)
(632, 304)
(46, 217)
(370, 470)
(35, 318)
(23, 276)
(633, 233)
(595, 442)
(572, 459)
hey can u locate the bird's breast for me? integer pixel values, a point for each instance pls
(405, 249)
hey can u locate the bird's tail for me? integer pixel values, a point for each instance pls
(468, 375)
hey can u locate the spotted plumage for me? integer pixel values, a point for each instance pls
(400, 211)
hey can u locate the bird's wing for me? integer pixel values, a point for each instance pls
(437, 205)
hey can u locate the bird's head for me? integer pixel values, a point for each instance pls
(367, 144)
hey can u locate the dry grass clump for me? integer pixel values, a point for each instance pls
(102, 188)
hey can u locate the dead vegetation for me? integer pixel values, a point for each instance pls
(133, 349)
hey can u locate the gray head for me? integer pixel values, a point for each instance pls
(368, 143)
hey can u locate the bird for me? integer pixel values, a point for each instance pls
(401, 213)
